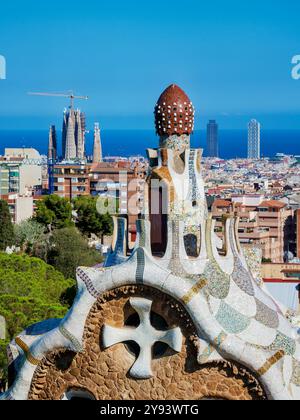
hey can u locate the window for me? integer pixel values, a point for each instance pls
(59, 188)
(192, 247)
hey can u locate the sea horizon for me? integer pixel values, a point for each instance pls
(129, 142)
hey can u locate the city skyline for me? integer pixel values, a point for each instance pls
(219, 65)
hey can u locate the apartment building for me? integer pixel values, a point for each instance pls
(268, 225)
(70, 180)
(21, 207)
(123, 181)
(20, 171)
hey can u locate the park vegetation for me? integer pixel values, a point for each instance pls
(30, 291)
(38, 281)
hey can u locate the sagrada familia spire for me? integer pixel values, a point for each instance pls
(52, 145)
(184, 315)
(73, 138)
(97, 151)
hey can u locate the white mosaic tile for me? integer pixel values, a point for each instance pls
(258, 334)
(241, 302)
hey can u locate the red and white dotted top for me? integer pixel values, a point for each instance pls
(174, 113)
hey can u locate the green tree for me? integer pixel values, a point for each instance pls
(27, 234)
(6, 227)
(54, 212)
(89, 220)
(40, 248)
(69, 250)
(30, 291)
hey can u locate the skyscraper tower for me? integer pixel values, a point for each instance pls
(73, 136)
(212, 139)
(52, 145)
(254, 140)
(97, 153)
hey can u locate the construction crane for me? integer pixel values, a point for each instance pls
(69, 95)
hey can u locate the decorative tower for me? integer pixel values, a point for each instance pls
(174, 119)
(52, 145)
(97, 152)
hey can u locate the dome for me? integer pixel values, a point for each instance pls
(174, 113)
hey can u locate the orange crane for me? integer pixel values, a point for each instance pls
(69, 95)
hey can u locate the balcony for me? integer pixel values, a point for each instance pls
(270, 223)
(254, 235)
(270, 214)
(250, 225)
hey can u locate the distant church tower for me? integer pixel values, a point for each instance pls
(97, 153)
(80, 134)
(71, 152)
(52, 145)
(73, 138)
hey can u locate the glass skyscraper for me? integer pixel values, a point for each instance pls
(254, 140)
(212, 139)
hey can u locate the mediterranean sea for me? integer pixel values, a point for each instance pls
(233, 143)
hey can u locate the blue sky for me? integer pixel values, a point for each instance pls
(232, 57)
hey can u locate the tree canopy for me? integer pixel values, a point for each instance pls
(89, 220)
(69, 250)
(28, 233)
(54, 212)
(6, 227)
(30, 291)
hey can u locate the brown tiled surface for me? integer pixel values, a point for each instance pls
(104, 373)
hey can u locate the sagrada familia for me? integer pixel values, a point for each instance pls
(183, 315)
